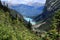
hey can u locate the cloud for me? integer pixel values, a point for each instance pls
(24, 1)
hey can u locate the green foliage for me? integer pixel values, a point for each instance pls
(14, 30)
(55, 25)
(54, 33)
(56, 18)
(56, 21)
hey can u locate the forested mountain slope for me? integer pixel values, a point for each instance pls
(14, 30)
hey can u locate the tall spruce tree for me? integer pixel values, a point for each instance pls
(0, 4)
(29, 25)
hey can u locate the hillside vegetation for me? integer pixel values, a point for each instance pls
(17, 30)
(14, 30)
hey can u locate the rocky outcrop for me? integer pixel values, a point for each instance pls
(50, 7)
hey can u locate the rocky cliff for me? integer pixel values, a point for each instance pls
(50, 7)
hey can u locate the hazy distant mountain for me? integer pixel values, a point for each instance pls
(27, 10)
(36, 4)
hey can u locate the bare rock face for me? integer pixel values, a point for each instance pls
(50, 7)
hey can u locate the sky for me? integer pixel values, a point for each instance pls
(24, 1)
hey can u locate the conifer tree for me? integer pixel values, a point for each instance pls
(29, 25)
(0, 5)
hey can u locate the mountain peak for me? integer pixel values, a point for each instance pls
(27, 10)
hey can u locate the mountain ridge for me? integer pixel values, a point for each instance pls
(26, 9)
